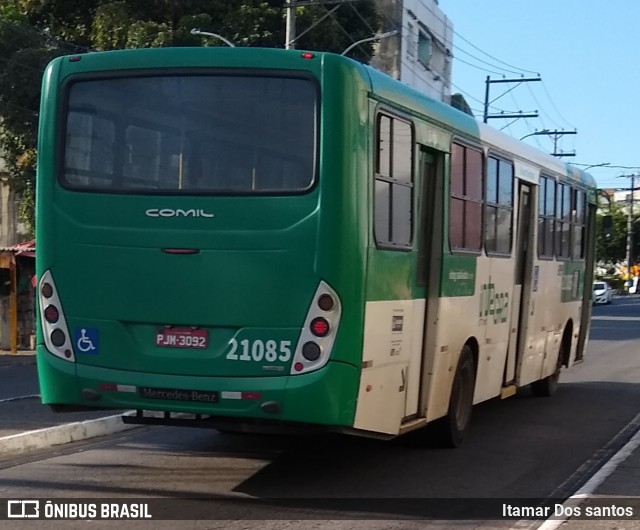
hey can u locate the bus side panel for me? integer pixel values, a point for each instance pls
(392, 336)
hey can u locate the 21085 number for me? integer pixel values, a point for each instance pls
(258, 350)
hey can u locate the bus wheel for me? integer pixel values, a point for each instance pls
(547, 387)
(454, 426)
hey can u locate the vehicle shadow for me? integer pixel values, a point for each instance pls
(501, 459)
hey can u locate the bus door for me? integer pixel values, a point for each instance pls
(429, 239)
(523, 285)
(587, 287)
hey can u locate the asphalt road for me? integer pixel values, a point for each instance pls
(521, 447)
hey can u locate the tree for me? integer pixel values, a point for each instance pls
(612, 248)
(24, 53)
(32, 32)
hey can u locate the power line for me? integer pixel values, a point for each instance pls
(554, 105)
(439, 18)
(495, 58)
(482, 61)
(541, 107)
(478, 67)
(364, 20)
(347, 33)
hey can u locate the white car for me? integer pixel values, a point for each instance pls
(602, 293)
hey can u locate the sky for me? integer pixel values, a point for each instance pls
(587, 53)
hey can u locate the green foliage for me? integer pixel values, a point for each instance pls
(24, 53)
(613, 249)
(32, 32)
(110, 27)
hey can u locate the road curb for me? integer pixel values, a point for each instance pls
(62, 434)
(588, 489)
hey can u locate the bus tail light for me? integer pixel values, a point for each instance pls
(320, 327)
(319, 331)
(54, 325)
(51, 314)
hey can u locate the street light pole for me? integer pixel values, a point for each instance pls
(195, 31)
(290, 33)
(537, 133)
(375, 37)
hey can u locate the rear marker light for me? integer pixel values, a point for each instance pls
(51, 314)
(251, 396)
(325, 302)
(307, 55)
(47, 290)
(311, 351)
(58, 338)
(114, 387)
(298, 367)
(320, 327)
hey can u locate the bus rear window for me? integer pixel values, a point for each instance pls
(190, 134)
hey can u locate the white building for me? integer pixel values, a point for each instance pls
(420, 54)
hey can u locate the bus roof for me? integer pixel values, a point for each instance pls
(464, 124)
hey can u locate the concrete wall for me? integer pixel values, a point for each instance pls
(11, 230)
(420, 55)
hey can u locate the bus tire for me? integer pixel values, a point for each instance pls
(455, 425)
(547, 387)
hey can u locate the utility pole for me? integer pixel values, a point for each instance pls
(630, 257)
(290, 29)
(556, 135)
(516, 115)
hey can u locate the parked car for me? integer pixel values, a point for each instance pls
(602, 293)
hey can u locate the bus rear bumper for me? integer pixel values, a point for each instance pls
(326, 396)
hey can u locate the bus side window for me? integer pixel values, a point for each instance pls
(465, 203)
(393, 208)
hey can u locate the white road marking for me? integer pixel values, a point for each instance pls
(605, 471)
(17, 398)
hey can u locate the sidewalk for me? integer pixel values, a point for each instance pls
(619, 479)
(26, 424)
(13, 359)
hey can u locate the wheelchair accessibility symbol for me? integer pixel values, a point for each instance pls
(86, 340)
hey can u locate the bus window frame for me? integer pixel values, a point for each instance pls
(392, 114)
(467, 144)
(559, 220)
(552, 218)
(63, 106)
(574, 190)
(499, 158)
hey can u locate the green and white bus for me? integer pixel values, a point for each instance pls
(273, 239)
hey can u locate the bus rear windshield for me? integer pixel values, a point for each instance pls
(190, 134)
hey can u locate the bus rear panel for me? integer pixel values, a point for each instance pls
(183, 261)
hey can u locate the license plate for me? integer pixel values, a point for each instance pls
(182, 338)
